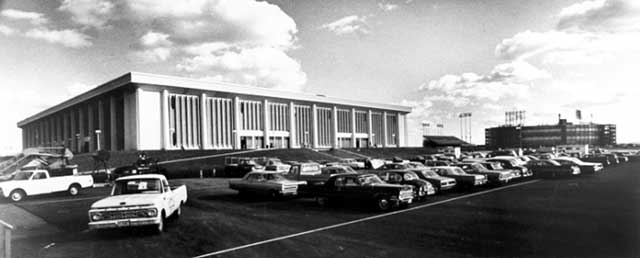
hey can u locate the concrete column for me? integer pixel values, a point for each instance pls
(91, 128)
(236, 123)
(402, 130)
(164, 110)
(292, 127)
(100, 138)
(112, 123)
(384, 129)
(370, 127)
(334, 123)
(73, 130)
(81, 128)
(353, 127)
(314, 126)
(204, 140)
(267, 122)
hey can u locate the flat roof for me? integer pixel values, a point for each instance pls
(181, 82)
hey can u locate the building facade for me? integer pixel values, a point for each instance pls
(140, 111)
(563, 133)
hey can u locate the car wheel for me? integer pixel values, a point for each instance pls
(322, 201)
(74, 190)
(383, 203)
(17, 195)
(160, 227)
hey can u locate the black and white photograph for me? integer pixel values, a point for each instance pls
(319, 128)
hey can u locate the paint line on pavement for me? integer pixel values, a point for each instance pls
(361, 220)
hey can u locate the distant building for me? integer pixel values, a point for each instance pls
(563, 133)
(140, 111)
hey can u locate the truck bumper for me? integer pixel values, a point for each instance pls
(123, 223)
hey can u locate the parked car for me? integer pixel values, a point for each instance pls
(585, 167)
(353, 163)
(494, 176)
(269, 183)
(240, 166)
(463, 179)
(622, 157)
(547, 168)
(275, 164)
(363, 188)
(313, 174)
(512, 163)
(511, 153)
(437, 163)
(498, 167)
(439, 182)
(38, 181)
(605, 160)
(139, 200)
(421, 187)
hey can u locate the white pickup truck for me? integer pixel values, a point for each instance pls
(38, 181)
(138, 200)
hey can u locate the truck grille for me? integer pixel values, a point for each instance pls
(124, 214)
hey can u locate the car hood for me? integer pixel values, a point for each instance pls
(391, 186)
(128, 200)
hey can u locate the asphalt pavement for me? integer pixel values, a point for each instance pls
(586, 216)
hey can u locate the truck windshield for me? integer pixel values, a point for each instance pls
(137, 186)
(22, 175)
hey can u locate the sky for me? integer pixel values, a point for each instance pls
(440, 57)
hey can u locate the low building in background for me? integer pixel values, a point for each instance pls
(563, 133)
(140, 111)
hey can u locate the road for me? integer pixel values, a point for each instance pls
(586, 216)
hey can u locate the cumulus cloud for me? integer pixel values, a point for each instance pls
(94, 13)
(387, 7)
(206, 37)
(32, 17)
(587, 62)
(67, 37)
(6, 30)
(348, 25)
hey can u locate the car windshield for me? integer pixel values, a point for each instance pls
(456, 171)
(410, 176)
(369, 179)
(274, 177)
(478, 167)
(429, 173)
(22, 175)
(137, 186)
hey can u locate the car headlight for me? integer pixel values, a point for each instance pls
(96, 216)
(152, 212)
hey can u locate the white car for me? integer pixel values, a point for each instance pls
(270, 183)
(139, 200)
(38, 181)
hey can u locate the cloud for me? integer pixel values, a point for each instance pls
(66, 37)
(587, 62)
(262, 66)
(95, 13)
(155, 39)
(348, 25)
(32, 17)
(387, 7)
(6, 30)
(75, 89)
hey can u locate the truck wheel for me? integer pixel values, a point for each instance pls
(383, 203)
(178, 212)
(160, 226)
(74, 189)
(17, 195)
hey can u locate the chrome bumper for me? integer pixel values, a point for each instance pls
(123, 223)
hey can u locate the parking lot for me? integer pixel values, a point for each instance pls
(585, 216)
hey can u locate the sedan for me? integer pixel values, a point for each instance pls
(269, 183)
(585, 167)
(494, 176)
(421, 187)
(463, 179)
(551, 168)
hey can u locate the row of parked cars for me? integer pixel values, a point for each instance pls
(398, 182)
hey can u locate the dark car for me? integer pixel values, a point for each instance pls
(498, 167)
(494, 176)
(362, 188)
(240, 166)
(439, 182)
(512, 163)
(606, 160)
(421, 187)
(463, 179)
(547, 168)
(585, 167)
(313, 174)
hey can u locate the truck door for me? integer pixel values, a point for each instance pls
(169, 197)
(39, 183)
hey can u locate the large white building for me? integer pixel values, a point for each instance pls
(140, 111)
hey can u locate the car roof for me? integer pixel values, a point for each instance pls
(143, 176)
